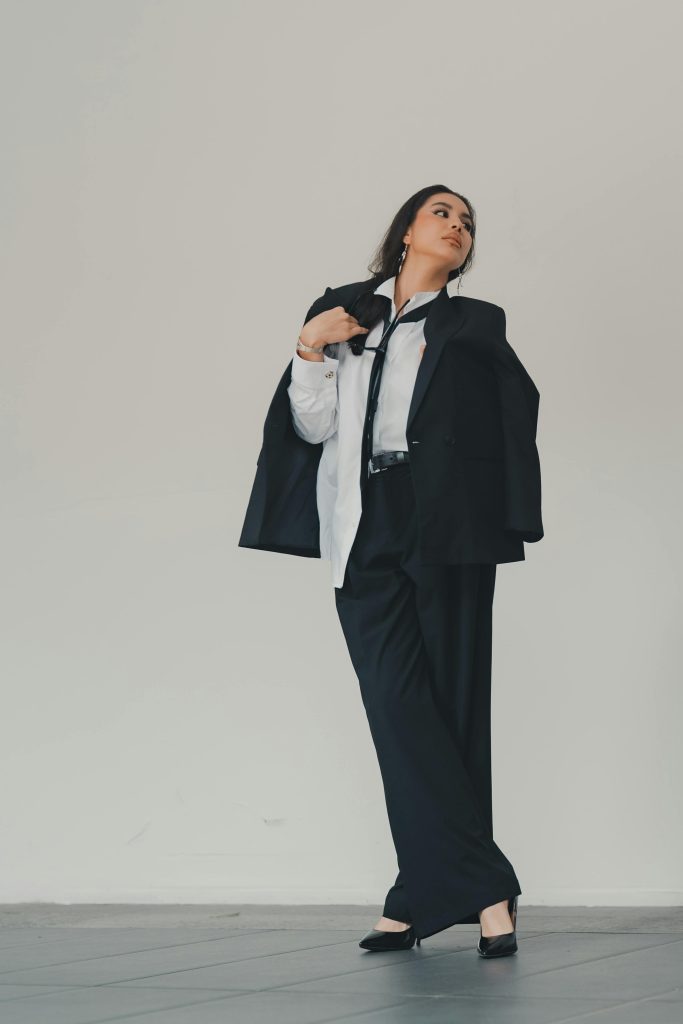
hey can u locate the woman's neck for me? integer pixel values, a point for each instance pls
(409, 282)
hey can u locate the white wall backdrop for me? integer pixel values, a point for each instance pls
(180, 717)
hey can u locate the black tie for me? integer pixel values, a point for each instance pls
(419, 313)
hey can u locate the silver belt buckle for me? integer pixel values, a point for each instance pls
(380, 469)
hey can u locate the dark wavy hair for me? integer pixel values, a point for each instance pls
(369, 308)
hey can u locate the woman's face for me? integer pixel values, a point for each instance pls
(440, 223)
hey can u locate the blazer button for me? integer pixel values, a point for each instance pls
(449, 440)
(330, 373)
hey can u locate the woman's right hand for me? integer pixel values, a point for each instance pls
(329, 327)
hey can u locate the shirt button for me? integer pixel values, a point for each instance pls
(330, 373)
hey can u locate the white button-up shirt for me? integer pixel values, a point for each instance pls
(328, 400)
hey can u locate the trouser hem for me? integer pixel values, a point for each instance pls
(423, 931)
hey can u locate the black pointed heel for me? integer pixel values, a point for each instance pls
(378, 941)
(501, 945)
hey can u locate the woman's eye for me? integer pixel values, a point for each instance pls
(467, 224)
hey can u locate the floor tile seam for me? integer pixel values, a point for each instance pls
(473, 996)
(612, 931)
(433, 955)
(166, 1009)
(406, 998)
(150, 949)
(367, 970)
(130, 952)
(57, 989)
(619, 1005)
(178, 970)
(439, 956)
(342, 974)
(361, 1013)
(54, 991)
(599, 959)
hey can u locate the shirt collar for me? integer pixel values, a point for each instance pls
(418, 299)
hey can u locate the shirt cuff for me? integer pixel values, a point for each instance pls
(312, 373)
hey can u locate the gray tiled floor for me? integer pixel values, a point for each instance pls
(301, 965)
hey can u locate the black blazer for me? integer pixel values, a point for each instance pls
(471, 433)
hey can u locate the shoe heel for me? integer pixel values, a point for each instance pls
(504, 944)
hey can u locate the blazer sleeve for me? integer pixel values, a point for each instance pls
(518, 399)
(282, 512)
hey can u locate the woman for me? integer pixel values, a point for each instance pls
(401, 445)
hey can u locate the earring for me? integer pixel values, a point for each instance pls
(402, 258)
(459, 280)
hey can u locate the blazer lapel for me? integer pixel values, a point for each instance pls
(445, 318)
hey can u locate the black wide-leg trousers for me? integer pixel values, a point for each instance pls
(419, 638)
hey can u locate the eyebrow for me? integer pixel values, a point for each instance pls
(441, 202)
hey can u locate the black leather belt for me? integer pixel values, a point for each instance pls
(385, 459)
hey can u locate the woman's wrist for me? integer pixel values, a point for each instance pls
(313, 353)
